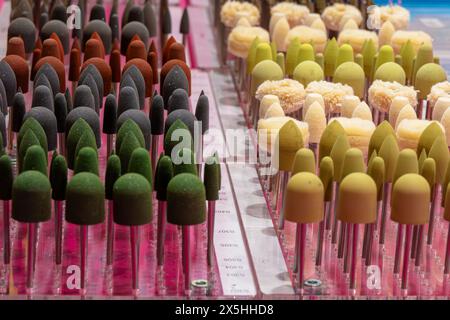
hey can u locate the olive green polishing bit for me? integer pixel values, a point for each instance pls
(31, 197)
(369, 51)
(439, 152)
(113, 171)
(353, 162)
(428, 171)
(423, 156)
(424, 56)
(377, 171)
(186, 200)
(140, 162)
(58, 177)
(304, 161)
(85, 196)
(171, 140)
(252, 55)
(130, 143)
(185, 162)
(391, 72)
(164, 173)
(78, 129)
(87, 161)
(427, 76)
(129, 126)
(389, 151)
(344, 54)
(407, 53)
(330, 55)
(428, 136)
(326, 174)
(373, 156)
(29, 139)
(86, 140)
(33, 125)
(386, 54)
(7, 178)
(211, 178)
(337, 153)
(350, 73)
(35, 159)
(132, 196)
(328, 138)
(381, 132)
(292, 56)
(308, 71)
(406, 163)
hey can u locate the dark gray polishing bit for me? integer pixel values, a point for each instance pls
(68, 98)
(142, 120)
(61, 31)
(202, 112)
(3, 129)
(60, 111)
(47, 120)
(83, 97)
(90, 82)
(114, 25)
(42, 97)
(139, 81)
(178, 100)
(42, 81)
(24, 28)
(157, 115)
(3, 100)
(127, 81)
(9, 81)
(175, 79)
(90, 116)
(92, 70)
(102, 29)
(110, 115)
(97, 13)
(135, 14)
(22, 9)
(51, 75)
(184, 24)
(129, 31)
(150, 19)
(185, 116)
(43, 19)
(126, 11)
(18, 111)
(166, 22)
(128, 99)
(59, 12)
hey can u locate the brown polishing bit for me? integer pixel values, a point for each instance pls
(96, 36)
(94, 49)
(152, 59)
(60, 46)
(116, 45)
(50, 49)
(16, 46)
(104, 70)
(114, 63)
(146, 71)
(76, 44)
(176, 51)
(75, 64)
(57, 65)
(37, 54)
(153, 47)
(165, 50)
(20, 67)
(38, 43)
(136, 49)
(169, 65)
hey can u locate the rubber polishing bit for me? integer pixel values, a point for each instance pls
(22, 9)
(74, 134)
(350, 73)
(135, 74)
(94, 49)
(128, 145)
(135, 14)
(169, 65)
(304, 161)
(129, 31)
(42, 81)
(141, 119)
(60, 112)
(428, 136)
(175, 79)
(381, 132)
(185, 116)
(58, 11)
(60, 29)
(58, 177)
(126, 11)
(178, 100)
(91, 69)
(152, 59)
(33, 125)
(90, 116)
(35, 159)
(128, 100)
(104, 71)
(392, 72)
(166, 24)
(18, 111)
(24, 28)
(136, 49)
(150, 19)
(83, 97)
(86, 161)
(183, 133)
(157, 115)
(140, 163)
(8, 77)
(184, 25)
(129, 126)
(308, 71)
(184, 162)
(97, 13)
(16, 47)
(50, 48)
(3, 102)
(177, 51)
(3, 130)
(146, 70)
(21, 70)
(110, 115)
(47, 120)
(211, 181)
(43, 97)
(57, 65)
(113, 172)
(52, 76)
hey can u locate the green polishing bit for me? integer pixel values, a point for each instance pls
(406, 163)
(386, 54)
(344, 54)
(427, 76)
(85, 197)
(359, 60)
(87, 161)
(305, 53)
(86, 140)
(320, 60)
(216, 156)
(33, 125)
(75, 133)
(263, 52)
(337, 153)
(377, 170)
(369, 51)
(252, 55)
(186, 200)
(140, 162)
(58, 177)
(391, 72)
(132, 196)
(163, 174)
(292, 56)
(423, 156)
(428, 136)
(211, 178)
(381, 132)
(31, 197)
(184, 163)
(428, 171)
(407, 53)
(7, 178)
(423, 57)
(129, 126)
(264, 71)
(352, 74)
(439, 152)
(328, 138)
(280, 62)
(130, 143)
(304, 161)
(113, 170)
(330, 55)
(308, 71)
(353, 162)
(326, 174)
(35, 159)
(373, 156)
(389, 152)
(171, 140)
(273, 47)
(29, 139)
